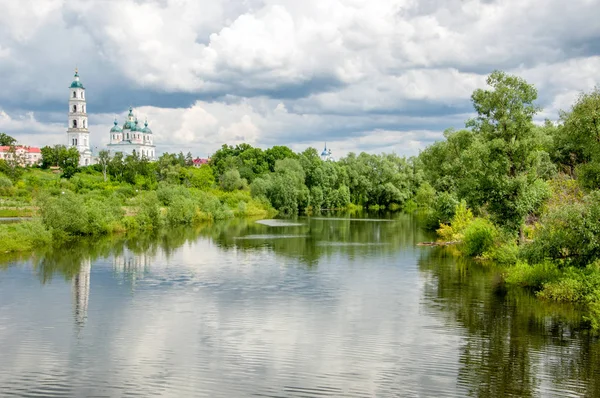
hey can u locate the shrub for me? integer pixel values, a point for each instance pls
(64, 214)
(479, 237)
(569, 234)
(148, 214)
(442, 210)
(181, 211)
(23, 236)
(460, 221)
(532, 276)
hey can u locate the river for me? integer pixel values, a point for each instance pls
(315, 307)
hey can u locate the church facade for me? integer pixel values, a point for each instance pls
(131, 138)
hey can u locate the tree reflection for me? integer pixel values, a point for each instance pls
(511, 334)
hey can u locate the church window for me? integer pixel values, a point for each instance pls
(84, 109)
(84, 124)
(74, 94)
(74, 123)
(74, 108)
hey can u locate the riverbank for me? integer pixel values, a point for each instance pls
(556, 257)
(87, 205)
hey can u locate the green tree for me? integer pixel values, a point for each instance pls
(232, 181)
(7, 140)
(68, 161)
(577, 139)
(104, 161)
(189, 160)
(504, 163)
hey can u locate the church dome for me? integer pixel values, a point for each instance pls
(116, 128)
(135, 126)
(146, 129)
(76, 83)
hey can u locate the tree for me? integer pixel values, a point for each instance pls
(503, 165)
(577, 139)
(7, 140)
(231, 181)
(50, 156)
(189, 160)
(68, 161)
(104, 161)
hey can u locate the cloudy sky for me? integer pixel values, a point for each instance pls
(363, 75)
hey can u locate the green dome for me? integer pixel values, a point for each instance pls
(76, 83)
(146, 129)
(128, 125)
(135, 126)
(116, 129)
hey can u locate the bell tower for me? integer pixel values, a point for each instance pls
(77, 132)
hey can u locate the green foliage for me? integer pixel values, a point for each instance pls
(568, 234)
(478, 237)
(181, 211)
(148, 215)
(7, 140)
(532, 276)
(24, 236)
(576, 142)
(231, 181)
(462, 218)
(442, 210)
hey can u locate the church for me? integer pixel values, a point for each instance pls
(132, 138)
(127, 140)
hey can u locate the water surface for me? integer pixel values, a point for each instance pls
(331, 307)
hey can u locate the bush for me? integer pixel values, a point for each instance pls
(532, 276)
(181, 211)
(460, 221)
(23, 236)
(479, 237)
(148, 214)
(569, 234)
(442, 210)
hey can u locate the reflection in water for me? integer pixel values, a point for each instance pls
(516, 345)
(340, 307)
(81, 292)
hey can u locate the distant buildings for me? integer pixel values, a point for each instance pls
(199, 162)
(25, 155)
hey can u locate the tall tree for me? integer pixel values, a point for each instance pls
(104, 161)
(505, 162)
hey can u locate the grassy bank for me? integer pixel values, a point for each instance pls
(87, 205)
(556, 256)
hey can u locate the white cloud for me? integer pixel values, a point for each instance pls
(288, 72)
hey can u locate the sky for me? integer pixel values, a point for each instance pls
(362, 75)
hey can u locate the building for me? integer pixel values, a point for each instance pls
(198, 162)
(326, 154)
(78, 135)
(25, 155)
(132, 138)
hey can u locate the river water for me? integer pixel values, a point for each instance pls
(317, 307)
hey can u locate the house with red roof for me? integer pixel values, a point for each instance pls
(25, 155)
(199, 162)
